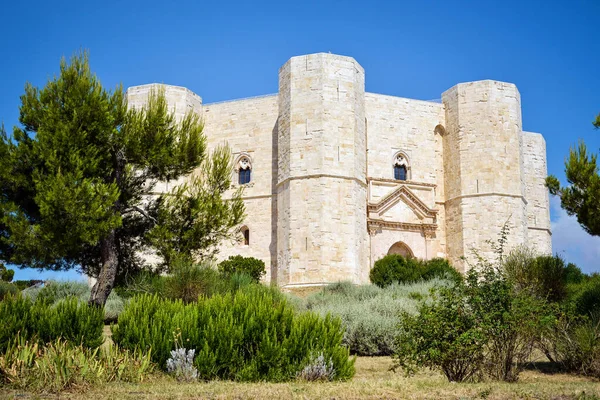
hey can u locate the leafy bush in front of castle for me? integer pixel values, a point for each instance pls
(52, 292)
(251, 266)
(395, 268)
(481, 326)
(69, 319)
(252, 334)
(369, 313)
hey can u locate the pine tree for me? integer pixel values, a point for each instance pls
(582, 196)
(77, 181)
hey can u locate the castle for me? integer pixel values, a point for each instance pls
(335, 178)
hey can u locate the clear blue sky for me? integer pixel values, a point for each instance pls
(225, 50)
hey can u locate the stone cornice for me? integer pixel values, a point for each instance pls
(498, 194)
(376, 224)
(387, 180)
(348, 178)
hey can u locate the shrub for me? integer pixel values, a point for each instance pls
(68, 319)
(574, 343)
(370, 314)
(6, 274)
(573, 274)
(544, 277)
(249, 335)
(181, 365)
(512, 320)
(318, 369)
(55, 291)
(7, 288)
(188, 281)
(443, 335)
(395, 268)
(251, 266)
(587, 297)
(60, 365)
(440, 268)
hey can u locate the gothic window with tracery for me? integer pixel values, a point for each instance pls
(244, 170)
(400, 167)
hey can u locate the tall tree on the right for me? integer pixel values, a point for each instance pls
(582, 196)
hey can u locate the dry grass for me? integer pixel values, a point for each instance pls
(373, 380)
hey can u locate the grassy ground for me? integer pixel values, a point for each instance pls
(372, 380)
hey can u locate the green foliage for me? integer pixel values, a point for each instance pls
(6, 274)
(587, 297)
(580, 198)
(7, 288)
(61, 366)
(540, 276)
(243, 265)
(396, 268)
(249, 335)
(189, 281)
(369, 313)
(444, 335)
(573, 274)
(76, 179)
(68, 319)
(574, 343)
(54, 291)
(440, 268)
(512, 320)
(486, 322)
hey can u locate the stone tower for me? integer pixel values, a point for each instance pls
(321, 182)
(483, 168)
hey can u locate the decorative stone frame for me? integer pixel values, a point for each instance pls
(243, 161)
(401, 159)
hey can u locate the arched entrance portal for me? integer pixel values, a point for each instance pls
(402, 249)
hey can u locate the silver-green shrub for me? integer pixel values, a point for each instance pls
(318, 369)
(181, 365)
(370, 314)
(54, 291)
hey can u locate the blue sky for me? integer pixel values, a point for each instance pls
(225, 50)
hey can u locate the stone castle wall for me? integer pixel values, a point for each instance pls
(323, 204)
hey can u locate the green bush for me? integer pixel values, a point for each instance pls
(544, 277)
(68, 319)
(55, 291)
(249, 335)
(395, 268)
(440, 268)
(369, 313)
(444, 335)
(7, 288)
(587, 297)
(485, 318)
(188, 281)
(574, 343)
(251, 266)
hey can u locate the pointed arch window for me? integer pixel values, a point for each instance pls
(401, 167)
(244, 167)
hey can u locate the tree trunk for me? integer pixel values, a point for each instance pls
(109, 252)
(108, 272)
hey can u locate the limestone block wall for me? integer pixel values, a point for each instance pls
(414, 127)
(322, 235)
(536, 193)
(249, 127)
(483, 164)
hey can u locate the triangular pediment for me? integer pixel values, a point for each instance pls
(396, 205)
